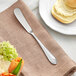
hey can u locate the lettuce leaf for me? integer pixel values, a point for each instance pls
(8, 51)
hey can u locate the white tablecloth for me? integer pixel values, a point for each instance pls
(68, 43)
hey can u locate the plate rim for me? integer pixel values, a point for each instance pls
(61, 32)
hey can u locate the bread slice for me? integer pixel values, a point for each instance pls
(63, 13)
(70, 3)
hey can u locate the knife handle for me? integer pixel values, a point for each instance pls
(48, 54)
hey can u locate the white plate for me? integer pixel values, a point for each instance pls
(45, 7)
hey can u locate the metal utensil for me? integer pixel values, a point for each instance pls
(25, 24)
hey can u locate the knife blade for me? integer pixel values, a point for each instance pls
(20, 17)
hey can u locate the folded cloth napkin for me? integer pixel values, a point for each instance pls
(36, 63)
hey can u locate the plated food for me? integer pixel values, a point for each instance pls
(64, 10)
(10, 63)
(70, 3)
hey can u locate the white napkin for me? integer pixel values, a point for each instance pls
(32, 3)
(4, 4)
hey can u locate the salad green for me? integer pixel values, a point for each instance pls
(7, 51)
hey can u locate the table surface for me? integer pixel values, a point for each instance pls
(68, 43)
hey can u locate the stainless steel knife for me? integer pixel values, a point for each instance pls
(27, 27)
